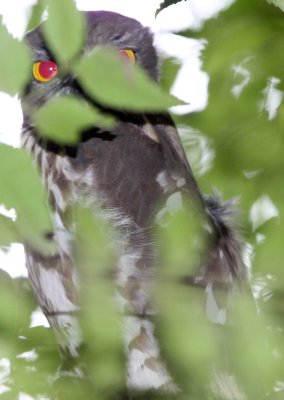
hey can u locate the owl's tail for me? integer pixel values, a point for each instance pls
(222, 264)
(225, 261)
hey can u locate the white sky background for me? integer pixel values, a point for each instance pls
(191, 83)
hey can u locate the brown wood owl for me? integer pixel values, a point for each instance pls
(129, 174)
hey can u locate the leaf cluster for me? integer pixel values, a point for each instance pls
(242, 125)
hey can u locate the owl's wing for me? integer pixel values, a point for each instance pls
(224, 264)
(164, 127)
(222, 272)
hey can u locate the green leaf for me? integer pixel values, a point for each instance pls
(63, 119)
(244, 82)
(21, 188)
(166, 4)
(277, 3)
(16, 305)
(8, 231)
(186, 336)
(116, 83)
(64, 29)
(36, 15)
(251, 359)
(169, 71)
(15, 62)
(181, 238)
(100, 320)
(181, 314)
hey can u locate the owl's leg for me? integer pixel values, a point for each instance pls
(53, 281)
(146, 370)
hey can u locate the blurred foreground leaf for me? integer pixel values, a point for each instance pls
(64, 29)
(15, 308)
(63, 119)
(116, 83)
(278, 3)
(100, 319)
(36, 15)
(248, 349)
(184, 331)
(8, 231)
(15, 62)
(243, 120)
(186, 337)
(245, 91)
(169, 71)
(182, 239)
(21, 188)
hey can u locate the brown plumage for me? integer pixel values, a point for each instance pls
(125, 174)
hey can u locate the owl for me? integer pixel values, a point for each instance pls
(128, 174)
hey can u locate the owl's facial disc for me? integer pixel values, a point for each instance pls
(132, 42)
(45, 71)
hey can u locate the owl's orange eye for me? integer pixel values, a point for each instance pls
(44, 71)
(128, 54)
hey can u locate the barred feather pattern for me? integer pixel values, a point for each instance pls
(54, 279)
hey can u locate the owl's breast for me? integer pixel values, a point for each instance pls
(122, 170)
(125, 167)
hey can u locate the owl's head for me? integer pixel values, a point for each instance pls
(103, 28)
